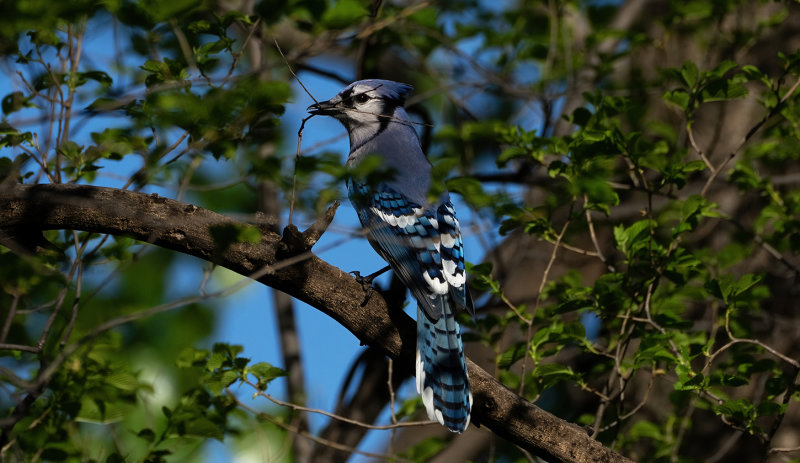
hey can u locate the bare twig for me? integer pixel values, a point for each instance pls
(545, 276)
(316, 439)
(292, 72)
(753, 130)
(296, 160)
(12, 311)
(384, 23)
(337, 417)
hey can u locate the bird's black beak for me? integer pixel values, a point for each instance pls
(323, 108)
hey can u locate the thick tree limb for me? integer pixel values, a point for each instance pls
(27, 210)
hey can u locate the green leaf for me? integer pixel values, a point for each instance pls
(98, 76)
(689, 73)
(767, 408)
(54, 454)
(344, 13)
(679, 97)
(511, 355)
(484, 269)
(70, 150)
(203, 427)
(99, 411)
(628, 238)
(123, 380)
(471, 189)
(147, 434)
(215, 360)
(190, 357)
(15, 101)
(647, 429)
(226, 234)
(265, 373)
(425, 450)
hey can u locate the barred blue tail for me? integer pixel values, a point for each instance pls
(442, 371)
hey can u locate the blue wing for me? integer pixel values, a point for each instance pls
(422, 244)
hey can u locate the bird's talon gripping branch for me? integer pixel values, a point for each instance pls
(366, 281)
(366, 284)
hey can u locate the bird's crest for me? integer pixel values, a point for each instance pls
(385, 89)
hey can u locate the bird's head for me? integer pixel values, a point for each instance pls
(365, 102)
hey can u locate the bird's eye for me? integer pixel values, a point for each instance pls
(362, 98)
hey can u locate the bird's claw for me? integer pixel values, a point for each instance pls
(365, 282)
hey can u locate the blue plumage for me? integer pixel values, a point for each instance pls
(420, 240)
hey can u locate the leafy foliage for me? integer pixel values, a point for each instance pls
(634, 171)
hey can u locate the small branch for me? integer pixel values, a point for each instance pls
(296, 158)
(753, 130)
(319, 440)
(593, 235)
(237, 56)
(783, 450)
(697, 149)
(21, 347)
(545, 276)
(387, 427)
(384, 23)
(186, 50)
(12, 311)
(313, 233)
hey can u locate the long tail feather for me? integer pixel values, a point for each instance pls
(442, 371)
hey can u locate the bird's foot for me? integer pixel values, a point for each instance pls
(366, 281)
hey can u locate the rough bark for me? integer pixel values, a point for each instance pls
(284, 263)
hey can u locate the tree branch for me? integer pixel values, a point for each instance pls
(29, 209)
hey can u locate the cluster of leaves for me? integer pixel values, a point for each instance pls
(172, 98)
(662, 327)
(673, 311)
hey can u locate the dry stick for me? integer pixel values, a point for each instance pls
(62, 294)
(715, 172)
(12, 311)
(545, 276)
(390, 373)
(238, 56)
(299, 132)
(391, 390)
(378, 25)
(787, 397)
(292, 70)
(334, 416)
(593, 235)
(316, 439)
(636, 408)
(186, 50)
(783, 449)
(77, 298)
(296, 160)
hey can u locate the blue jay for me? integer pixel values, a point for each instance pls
(420, 240)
